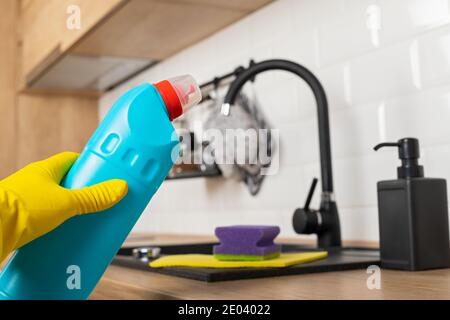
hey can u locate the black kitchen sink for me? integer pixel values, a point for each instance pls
(339, 259)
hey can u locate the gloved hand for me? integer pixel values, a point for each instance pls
(33, 203)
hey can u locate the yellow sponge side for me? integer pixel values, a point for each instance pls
(208, 261)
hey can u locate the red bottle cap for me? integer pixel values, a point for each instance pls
(179, 94)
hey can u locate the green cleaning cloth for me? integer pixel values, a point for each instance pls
(243, 257)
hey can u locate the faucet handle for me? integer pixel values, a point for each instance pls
(312, 188)
(305, 220)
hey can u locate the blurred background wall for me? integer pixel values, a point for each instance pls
(386, 69)
(384, 64)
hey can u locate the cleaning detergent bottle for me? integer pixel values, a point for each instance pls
(135, 142)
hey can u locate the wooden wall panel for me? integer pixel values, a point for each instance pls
(45, 124)
(8, 54)
(49, 124)
(25, 3)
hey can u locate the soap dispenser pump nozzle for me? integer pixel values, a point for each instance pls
(409, 154)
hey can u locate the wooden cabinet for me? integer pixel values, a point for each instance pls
(158, 29)
(141, 32)
(44, 34)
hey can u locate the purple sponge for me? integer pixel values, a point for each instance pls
(247, 241)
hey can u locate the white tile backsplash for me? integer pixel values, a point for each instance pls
(434, 57)
(384, 73)
(357, 26)
(402, 19)
(336, 81)
(424, 115)
(385, 65)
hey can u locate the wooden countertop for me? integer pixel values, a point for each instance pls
(125, 283)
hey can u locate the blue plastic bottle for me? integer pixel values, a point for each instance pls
(135, 142)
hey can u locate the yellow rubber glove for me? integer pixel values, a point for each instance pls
(32, 202)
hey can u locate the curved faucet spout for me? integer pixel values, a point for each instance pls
(331, 232)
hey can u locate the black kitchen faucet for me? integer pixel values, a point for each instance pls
(324, 221)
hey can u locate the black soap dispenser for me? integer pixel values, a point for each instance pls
(413, 215)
